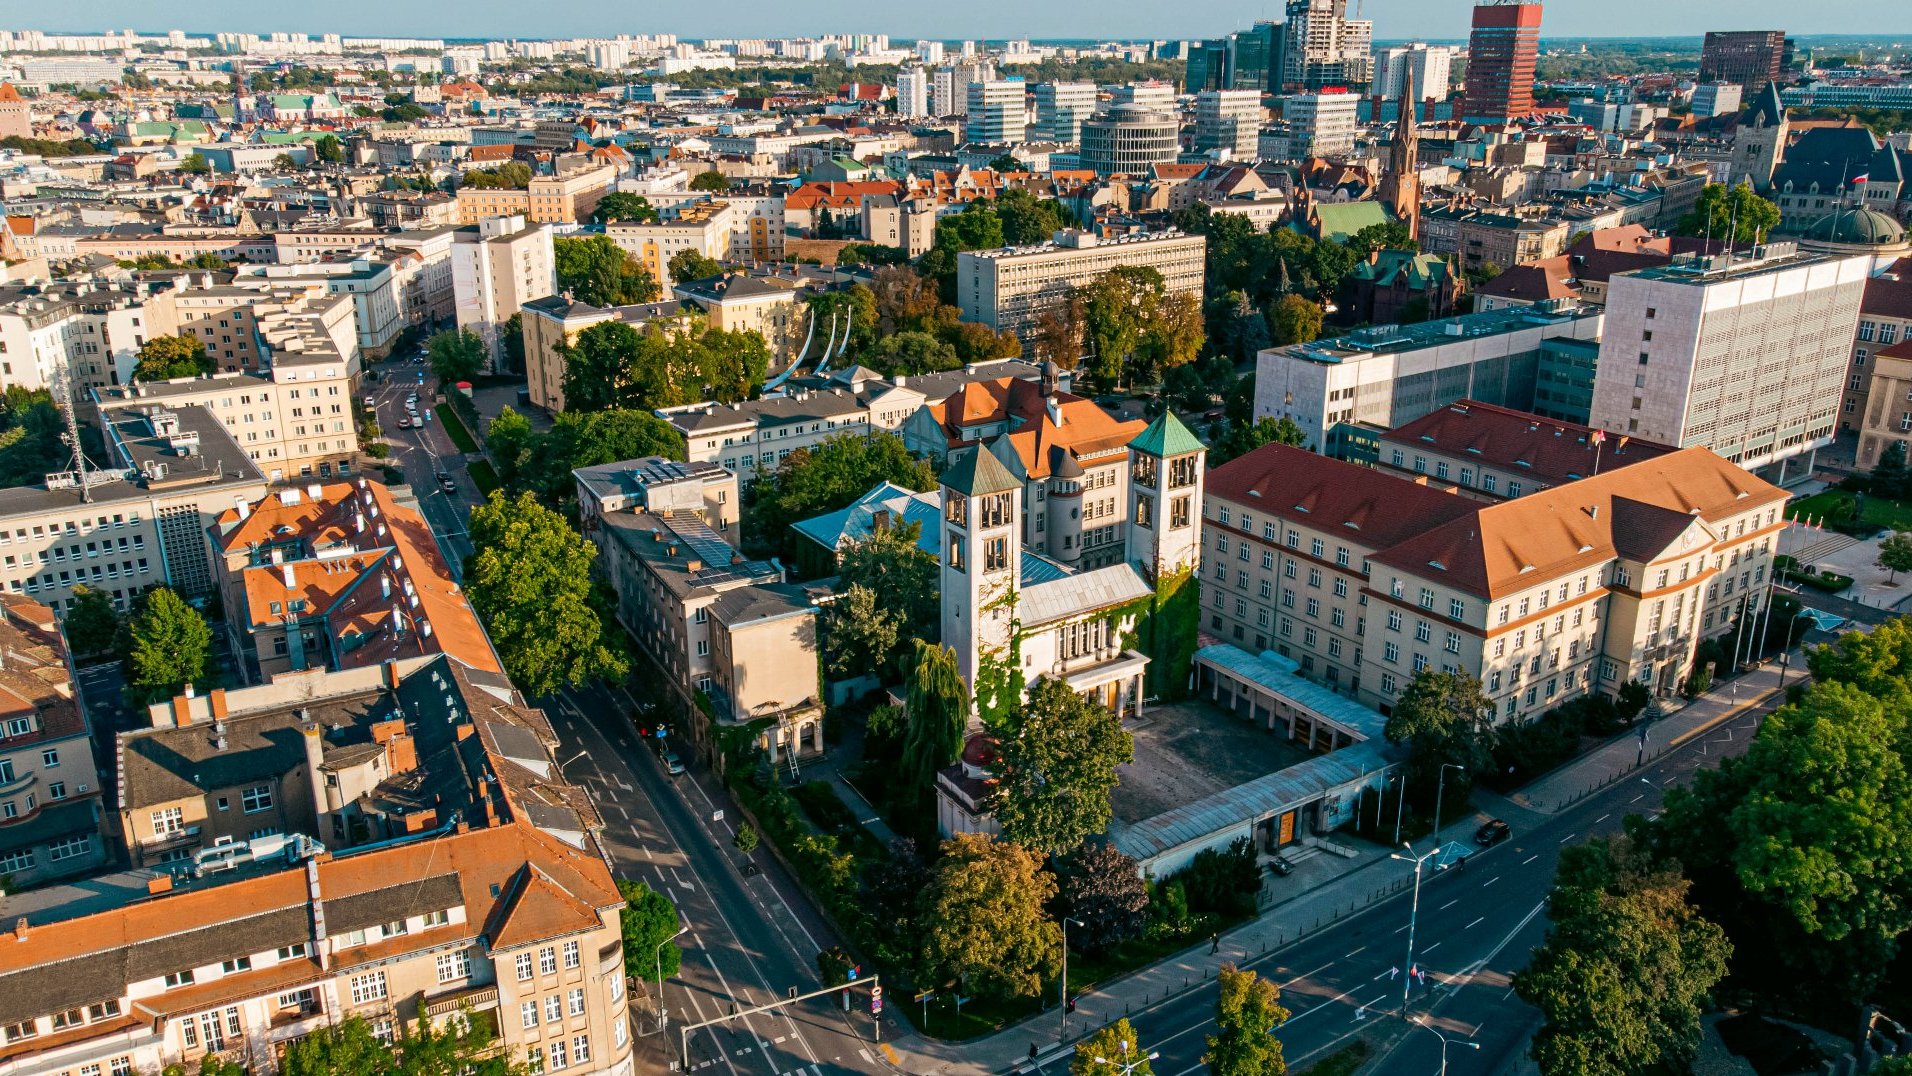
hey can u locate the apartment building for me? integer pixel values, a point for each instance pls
(293, 419)
(246, 328)
(1012, 288)
(140, 972)
(92, 330)
(551, 325)
(369, 283)
(1060, 109)
(703, 227)
(997, 111)
(761, 433)
(1320, 124)
(497, 266)
(1388, 375)
(737, 642)
(338, 575)
(773, 307)
(1227, 122)
(50, 809)
(1744, 355)
(137, 523)
(1885, 319)
(1495, 453)
(570, 198)
(1365, 578)
(425, 292)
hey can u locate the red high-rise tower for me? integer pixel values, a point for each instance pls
(1501, 54)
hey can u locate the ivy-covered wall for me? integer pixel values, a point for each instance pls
(1165, 627)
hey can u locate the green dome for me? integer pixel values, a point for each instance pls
(1857, 226)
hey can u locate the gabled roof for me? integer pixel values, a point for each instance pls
(8, 93)
(975, 472)
(1167, 436)
(1768, 110)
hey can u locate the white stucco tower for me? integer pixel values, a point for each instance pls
(981, 555)
(1165, 475)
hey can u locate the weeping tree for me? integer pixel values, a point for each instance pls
(938, 712)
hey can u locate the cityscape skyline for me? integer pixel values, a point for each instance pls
(990, 19)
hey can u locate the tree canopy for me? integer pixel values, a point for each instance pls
(1057, 769)
(1443, 718)
(32, 436)
(92, 624)
(887, 597)
(983, 923)
(530, 581)
(1247, 1011)
(542, 461)
(647, 923)
(1738, 210)
(595, 270)
(511, 175)
(170, 643)
(165, 357)
(615, 365)
(712, 180)
(1114, 1049)
(457, 1045)
(456, 355)
(1135, 328)
(692, 265)
(936, 713)
(1103, 890)
(825, 477)
(624, 206)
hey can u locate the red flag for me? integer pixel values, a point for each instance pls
(1599, 437)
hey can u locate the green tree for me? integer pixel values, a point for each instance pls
(825, 477)
(1626, 967)
(1895, 555)
(1247, 1011)
(508, 438)
(595, 271)
(1295, 320)
(91, 623)
(746, 840)
(165, 357)
(1026, 219)
(712, 180)
(456, 1046)
(860, 633)
(1389, 235)
(32, 436)
(937, 712)
(1102, 890)
(511, 175)
(1891, 477)
(530, 581)
(1057, 768)
(892, 562)
(511, 335)
(1443, 718)
(284, 162)
(614, 365)
(456, 355)
(647, 922)
(329, 149)
(625, 206)
(982, 922)
(1116, 311)
(1114, 1049)
(1738, 210)
(690, 264)
(195, 164)
(1241, 440)
(913, 353)
(169, 646)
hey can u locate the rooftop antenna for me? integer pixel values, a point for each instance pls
(64, 384)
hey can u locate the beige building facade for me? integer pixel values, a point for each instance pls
(1014, 287)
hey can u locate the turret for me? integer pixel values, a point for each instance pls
(981, 554)
(1166, 469)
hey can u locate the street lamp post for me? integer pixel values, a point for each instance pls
(1062, 988)
(658, 954)
(1400, 804)
(1125, 1065)
(1440, 792)
(1444, 1041)
(1413, 916)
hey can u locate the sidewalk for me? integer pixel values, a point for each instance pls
(1324, 906)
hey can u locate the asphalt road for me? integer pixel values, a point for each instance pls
(750, 939)
(1475, 928)
(422, 453)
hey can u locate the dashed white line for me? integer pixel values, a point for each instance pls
(1529, 859)
(1637, 798)
(1602, 818)
(1474, 924)
(1430, 948)
(1449, 904)
(1490, 881)
(1568, 837)
(1357, 952)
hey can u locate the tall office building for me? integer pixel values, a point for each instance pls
(1322, 47)
(949, 87)
(1743, 355)
(1751, 58)
(1501, 56)
(1154, 95)
(912, 93)
(996, 111)
(1228, 122)
(1320, 124)
(1422, 69)
(1129, 139)
(1255, 57)
(1060, 109)
(1207, 66)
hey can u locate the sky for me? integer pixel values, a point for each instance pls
(994, 19)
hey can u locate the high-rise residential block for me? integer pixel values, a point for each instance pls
(1744, 355)
(1060, 109)
(1422, 69)
(1323, 47)
(497, 266)
(1228, 122)
(912, 93)
(1320, 124)
(997, 111)
(1502, 53)
(1751, 58)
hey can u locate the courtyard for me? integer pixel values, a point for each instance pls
(1187, 751)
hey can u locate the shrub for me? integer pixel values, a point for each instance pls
(378, 450)
(1226, 883)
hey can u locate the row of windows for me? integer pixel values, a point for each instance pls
(547, 960)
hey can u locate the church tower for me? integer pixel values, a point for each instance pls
(1165, 477)
(1401, 187)
(1759, 142)
(981, 555)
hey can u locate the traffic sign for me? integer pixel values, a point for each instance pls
(876, 1001)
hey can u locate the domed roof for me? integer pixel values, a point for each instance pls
(1857, 226)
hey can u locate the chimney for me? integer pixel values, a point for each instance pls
(1055, 410)
(425, 628)
(291, 577)
(315, 900)
(243, 507)
(20, 929)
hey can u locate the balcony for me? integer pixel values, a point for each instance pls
(178, 838)
(477, 998)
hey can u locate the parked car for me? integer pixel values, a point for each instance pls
(445, 483)
(370, 403)
(672, 764)
(1492, 832)
(1280, 865)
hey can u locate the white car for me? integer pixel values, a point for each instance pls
(370, 403)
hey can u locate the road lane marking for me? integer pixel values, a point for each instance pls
(1449, 904)
(1568, 837)
(1430, 948)
(1357, 952)
(1490, 881)
(1529, 859)
(1473, 924)
(1637, 798)
(1602, 818)
(1292, 1019)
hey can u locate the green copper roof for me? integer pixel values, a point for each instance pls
(1166, 437)
(1340, 220)
(974, 472)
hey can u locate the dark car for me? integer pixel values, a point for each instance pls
(1280, 865)
(445, 483)
(1492, 832)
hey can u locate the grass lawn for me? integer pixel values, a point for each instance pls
(455, 429)
(1836, 504)
(484, 475)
